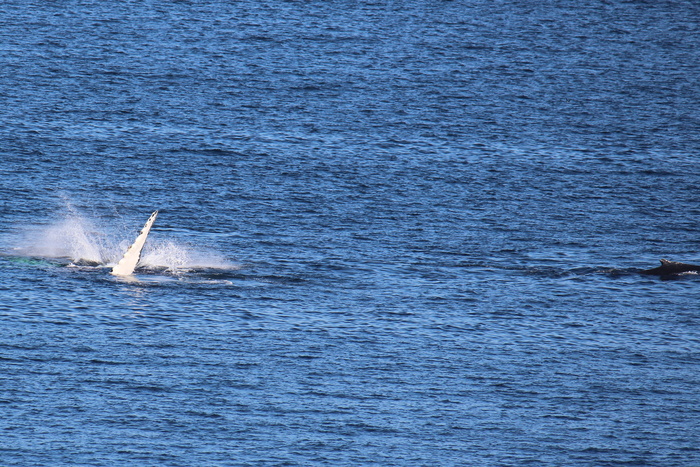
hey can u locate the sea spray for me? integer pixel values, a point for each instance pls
(80, 240)
(72, 237)
(177, 257)
(166, 254)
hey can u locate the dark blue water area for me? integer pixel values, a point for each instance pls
(390, 233)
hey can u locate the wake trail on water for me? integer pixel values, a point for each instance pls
(74, 240)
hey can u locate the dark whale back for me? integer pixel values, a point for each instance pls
(668, 268)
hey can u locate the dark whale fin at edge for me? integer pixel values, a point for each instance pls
(668, 268)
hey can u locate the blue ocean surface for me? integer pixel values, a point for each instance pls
(390, 233)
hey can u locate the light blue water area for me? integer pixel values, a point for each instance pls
(389, 234)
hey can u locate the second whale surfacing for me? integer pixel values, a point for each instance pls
(669, 268)
(128, 263)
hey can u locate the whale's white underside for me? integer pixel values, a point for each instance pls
(131, 258)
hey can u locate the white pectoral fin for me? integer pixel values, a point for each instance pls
(128, 263)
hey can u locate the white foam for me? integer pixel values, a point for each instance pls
(176, 257)
(78, 239)
(72, 237)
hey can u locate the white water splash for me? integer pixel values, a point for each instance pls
(84, 241)
(176, 257)
(73, 237)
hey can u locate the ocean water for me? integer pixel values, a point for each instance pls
(390, 233)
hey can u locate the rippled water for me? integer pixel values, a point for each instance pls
(389, 233)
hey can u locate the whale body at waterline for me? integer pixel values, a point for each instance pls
(669, 268)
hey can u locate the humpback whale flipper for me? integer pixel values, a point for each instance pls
(128, 263)
(668, 268)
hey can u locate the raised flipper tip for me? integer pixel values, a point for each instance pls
(132, 256)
